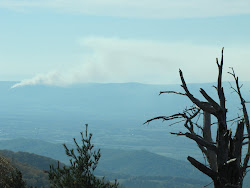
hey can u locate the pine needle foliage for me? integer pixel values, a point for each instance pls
(83, 162)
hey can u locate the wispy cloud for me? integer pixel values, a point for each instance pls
(108, 60)
(137, 8)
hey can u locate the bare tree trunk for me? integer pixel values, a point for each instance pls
(224, 155)
(211, 155)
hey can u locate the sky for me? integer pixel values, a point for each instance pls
(64, 42)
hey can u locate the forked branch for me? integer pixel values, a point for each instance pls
(199, 140)
(205, 106)
(245, 114)
(202, 168)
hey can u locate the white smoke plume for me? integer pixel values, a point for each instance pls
(52, 78)
(115, 60)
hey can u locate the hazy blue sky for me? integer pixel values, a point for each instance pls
(60, 42)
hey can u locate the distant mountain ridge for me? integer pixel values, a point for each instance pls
(132, 162)
(32, 167)
(115, 113)
(38, 161)
(133, 169)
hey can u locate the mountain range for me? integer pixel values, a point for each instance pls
(38, 119)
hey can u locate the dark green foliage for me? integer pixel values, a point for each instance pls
(37, 161)
(33, 176)
(26, 163)
(16, 180)
(10, 177)
(82, 165)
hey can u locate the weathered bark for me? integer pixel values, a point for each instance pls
(212, 174)
(211, 155)
(222, 160)
(224, 155)
(246, 120)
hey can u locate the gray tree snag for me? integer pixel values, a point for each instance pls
(211, 155)
(223, 155)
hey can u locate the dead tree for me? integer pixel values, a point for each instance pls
(225, 165)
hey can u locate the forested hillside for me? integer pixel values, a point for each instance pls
(132, 162)
(33, 168)
(28, 164)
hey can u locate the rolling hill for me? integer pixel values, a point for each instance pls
(32, 167)
(129, 162)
